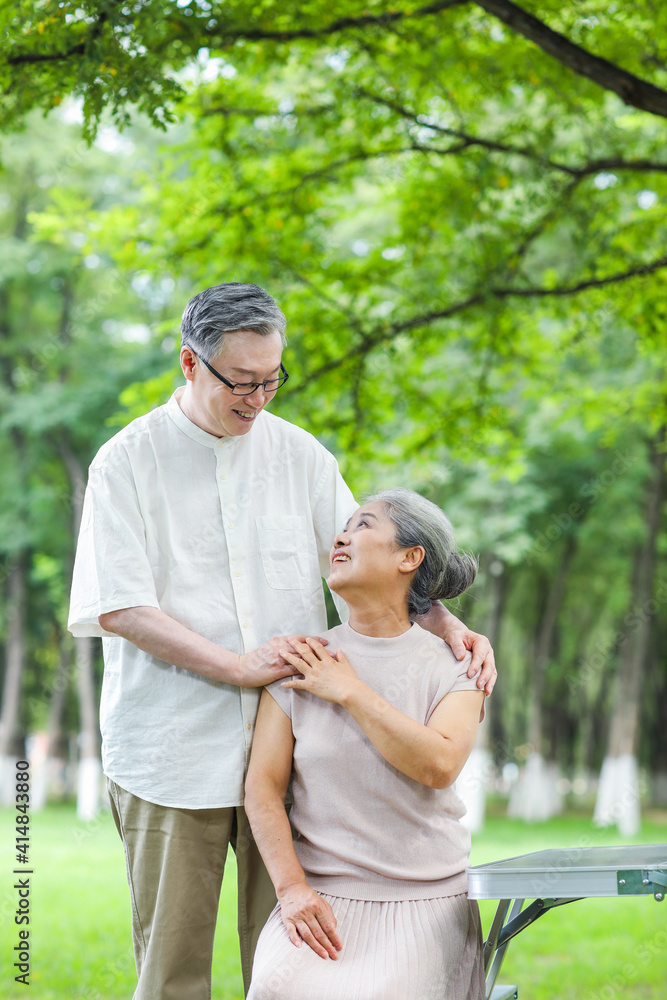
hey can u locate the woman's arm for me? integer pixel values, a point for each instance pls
(306, 915)
(432, 754)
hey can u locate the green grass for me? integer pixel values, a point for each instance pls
(605, 949)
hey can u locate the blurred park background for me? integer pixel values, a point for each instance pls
(461, 209)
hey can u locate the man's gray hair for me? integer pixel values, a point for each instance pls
(444, 572)
(224, 309)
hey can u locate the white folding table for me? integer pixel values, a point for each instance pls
(552, 878)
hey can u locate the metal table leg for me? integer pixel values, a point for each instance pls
(503, 930)
(493, 952)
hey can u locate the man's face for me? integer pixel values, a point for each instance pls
(246, 356)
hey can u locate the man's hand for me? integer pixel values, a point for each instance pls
(309, 918)
(461, 639)
(265, 664)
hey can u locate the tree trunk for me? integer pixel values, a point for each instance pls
(90, 765)
(11, 741)
(619, 792)
(545, 642)
(535, 796)
(471, 784)
(655, 748)
(41, 776)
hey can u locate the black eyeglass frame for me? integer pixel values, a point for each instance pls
(255, 385)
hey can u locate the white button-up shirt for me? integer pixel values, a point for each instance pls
(229, 536)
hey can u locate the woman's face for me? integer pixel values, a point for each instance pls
(365, 554)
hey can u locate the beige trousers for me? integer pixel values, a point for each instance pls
(175, 861)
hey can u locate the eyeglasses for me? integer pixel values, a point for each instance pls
(246, 388)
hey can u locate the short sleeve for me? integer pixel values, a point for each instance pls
(450, 676)
(281, 695)
(463, 682)
(111, 568)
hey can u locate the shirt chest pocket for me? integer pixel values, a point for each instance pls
(283, 544)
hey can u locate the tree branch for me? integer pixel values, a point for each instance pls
(364, 21)
(495, 146)
(330, 300)
(467, 140)
(358, 157)
(228, 37)
(384, 334)
(75, 50)
(229, 112)
(630, 88)
(42, 57)
(593, 167)
(308, 111)
(616, 163)
(613, 279)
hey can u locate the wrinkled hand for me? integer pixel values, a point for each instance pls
(266, 663)
(461, 639)
(328, 677)
(309, 918)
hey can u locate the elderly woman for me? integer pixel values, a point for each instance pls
(371, 894)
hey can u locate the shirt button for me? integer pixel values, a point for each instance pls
(222, 477)
(249, 726)
(231, 526)
(245, 625)
(237, 572)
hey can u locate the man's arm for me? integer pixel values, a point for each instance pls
(156, 633)
(447, 626)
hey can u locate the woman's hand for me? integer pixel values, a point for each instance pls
(266, 663)
(309, 918)
(328, 677)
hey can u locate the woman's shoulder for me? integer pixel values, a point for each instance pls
(436, 652)
(416, 643)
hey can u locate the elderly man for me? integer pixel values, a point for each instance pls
(206, 531)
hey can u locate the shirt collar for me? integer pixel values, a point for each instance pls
(192, 430)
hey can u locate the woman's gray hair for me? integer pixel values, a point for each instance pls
(444, 572)
(224, 309)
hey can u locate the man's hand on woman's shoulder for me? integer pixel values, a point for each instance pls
(461, 639)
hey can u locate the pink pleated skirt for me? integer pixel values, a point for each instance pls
(425, 949)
